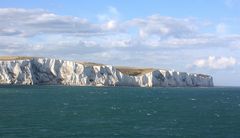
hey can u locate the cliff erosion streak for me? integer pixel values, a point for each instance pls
(34, 71)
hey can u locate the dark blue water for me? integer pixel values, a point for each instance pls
(58, 111)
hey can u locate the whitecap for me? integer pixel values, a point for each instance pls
(115, 134)
(113, 108)
(148, 114)
(136, 127)
(75, 113)
(65, 104)
(192, 99)
(105, 92)
(217, 115)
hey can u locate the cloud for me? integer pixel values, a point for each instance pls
(29, 22)
(110, 20)
(110, 25)
(153, 31)
(163, 26)
(111, 14)
(155, 40)
(9, 32)
(235, 44)
(213, 62)
(113, 10)
(221, 28)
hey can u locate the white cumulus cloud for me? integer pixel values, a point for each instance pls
(213, 62)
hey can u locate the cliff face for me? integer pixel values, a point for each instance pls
(52, 71)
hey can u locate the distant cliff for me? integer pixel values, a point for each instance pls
(33, 71)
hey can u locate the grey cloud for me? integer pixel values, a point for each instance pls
(9, 32)
(31, 22)
(164, 26)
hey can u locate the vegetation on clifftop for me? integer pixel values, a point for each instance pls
(6, 58)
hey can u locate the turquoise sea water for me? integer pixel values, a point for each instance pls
(60, 111)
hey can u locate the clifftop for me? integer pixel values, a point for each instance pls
(131, 71)
(7, 58)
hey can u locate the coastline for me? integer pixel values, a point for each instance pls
(46, 71)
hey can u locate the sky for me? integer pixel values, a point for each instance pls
(200, 36)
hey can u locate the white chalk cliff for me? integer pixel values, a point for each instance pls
(53, 71)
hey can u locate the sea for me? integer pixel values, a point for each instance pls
(121, 112)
